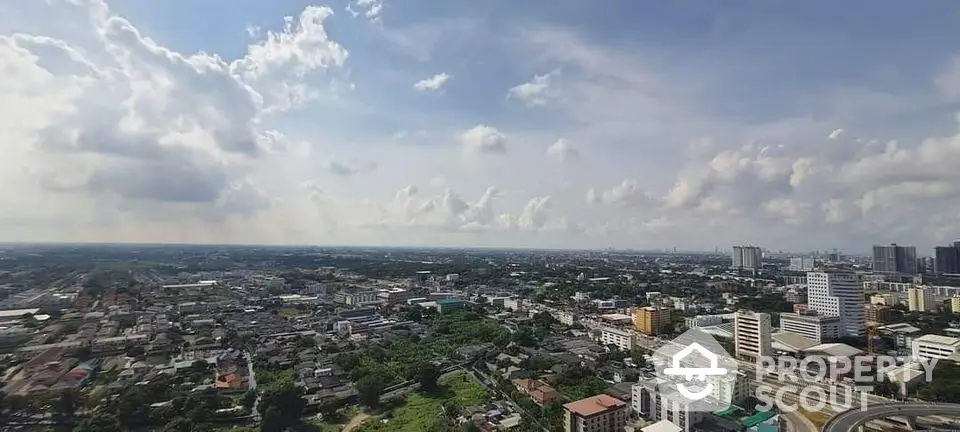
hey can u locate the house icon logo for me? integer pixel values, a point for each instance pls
(694, 370)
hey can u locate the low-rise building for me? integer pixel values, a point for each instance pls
(622, 339)
(816, 327)
(935, 346)
(600, 413)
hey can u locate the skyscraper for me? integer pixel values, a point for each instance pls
(747, 257)
(838, 294)
(894, 259)
(947, 259)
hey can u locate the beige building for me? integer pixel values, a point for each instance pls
(652, 320)
(920, 299)
(752, 333)
(600, 413)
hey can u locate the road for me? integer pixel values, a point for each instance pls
(849, 420)
(797, 422)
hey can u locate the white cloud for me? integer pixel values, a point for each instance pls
(835, 134)
(371, 9)
(483, 139)
(563, 151)
(537, 91)
(433, 83)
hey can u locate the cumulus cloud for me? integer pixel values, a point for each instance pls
(536, 92)
(433, 83)
(483, 139)
(563, 151)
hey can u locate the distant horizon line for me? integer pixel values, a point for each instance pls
(719, 251)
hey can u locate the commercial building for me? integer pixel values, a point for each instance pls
(802, 264)
(877, 314)
(894, 259)
(600, 413)
(703, 321)
(946, 259)
(752, 334)
(357, 298)
(649, 401)
(920, 299)
(935, 346)
(747, 257)
(447, 305)
(885, 299)
(652, 320)
(820, 328)
(622, 339)
(955, 305)
(838, 294)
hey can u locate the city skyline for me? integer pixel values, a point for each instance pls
(377, 122)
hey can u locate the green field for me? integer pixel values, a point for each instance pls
(420, 412)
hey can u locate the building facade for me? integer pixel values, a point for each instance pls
(600, 413)
(946, 259)
(935, 347)
(752, 334)
(622, 339)
(652, 320)
(894, 258)
(747, 257)
(838, 294)
(920, 299)
(820, 328)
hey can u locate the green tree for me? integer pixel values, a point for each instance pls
(427, 375)
(368, 390)
(100, 422)
(284, 399)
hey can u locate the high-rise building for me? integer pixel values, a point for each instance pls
(920, 299)
(747, 257)
(837, 294)
(895, 259)
(877, 314)
(820, 328)
(600, 413)
(752, 334)
(947, 259)
(652, 320)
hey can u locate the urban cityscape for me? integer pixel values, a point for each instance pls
(463, 216)
(191, 338)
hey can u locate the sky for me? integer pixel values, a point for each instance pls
(630, 124)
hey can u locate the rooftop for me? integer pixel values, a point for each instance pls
(594, 405)
(937, 339)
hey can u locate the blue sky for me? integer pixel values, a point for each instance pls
(633, 124)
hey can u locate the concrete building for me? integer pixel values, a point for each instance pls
(747, 257)
(357, 298)
(838, 294)
(622, 339)
(877, 314)
(447, 305)
(885, 299)
(894, 258)
(752, 334)
(935, 346)
(920, 299)
(803, 264)
(703, 321)
(647, 400)
(946, 259)
(600, 413)
(955, 305)
(820, 328)
(652, 320)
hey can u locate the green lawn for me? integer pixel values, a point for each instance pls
(419, 412)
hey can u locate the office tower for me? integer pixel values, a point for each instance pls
(652, 320)
(600, 413)
(817, 327)
(947, 259)
(920, 299)
(837, 294)
(895, 259)
(752, 334)
(747, 257)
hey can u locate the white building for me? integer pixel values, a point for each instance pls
(623, 339)
(648, 401)
(920, 299)
(935, 347)
(747, 257)
(802, 264)
(838, 294)
(752, 334)
(817, 327)
(565, 318)
(703, 321)
(513, 304)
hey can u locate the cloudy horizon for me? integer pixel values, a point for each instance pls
(377, 122)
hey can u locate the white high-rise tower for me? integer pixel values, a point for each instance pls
(838, 294)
